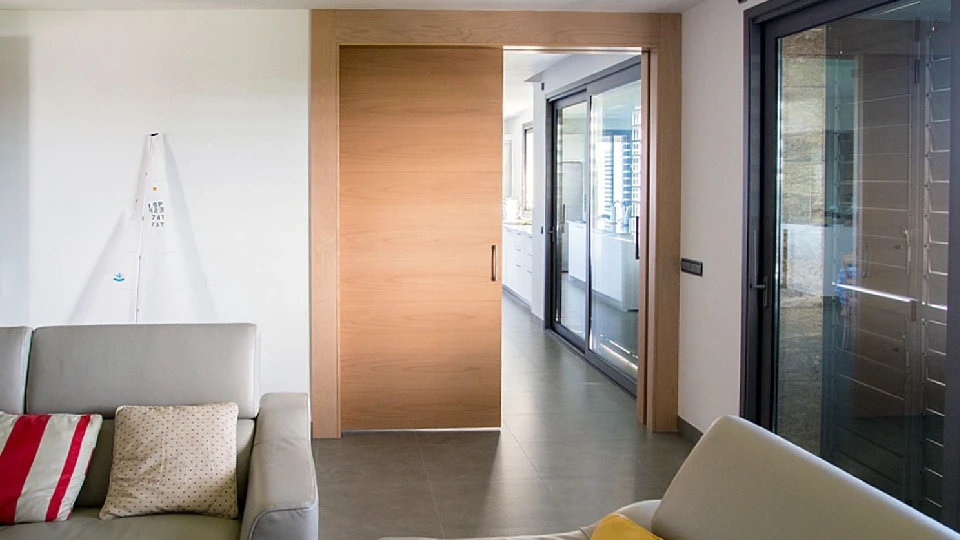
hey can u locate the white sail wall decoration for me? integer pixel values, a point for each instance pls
(150, 270)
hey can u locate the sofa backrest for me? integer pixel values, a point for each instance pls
(95, 369)
(14, 347)
(94, 490)
(741, 482)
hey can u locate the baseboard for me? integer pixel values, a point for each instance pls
(517, 297)
(687, 431)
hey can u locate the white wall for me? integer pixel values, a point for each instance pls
(229, 89)
(14, 173)
(712, 210)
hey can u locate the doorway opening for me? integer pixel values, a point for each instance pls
(574, 238)
(342, 231)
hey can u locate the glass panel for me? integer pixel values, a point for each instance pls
(862, 165)
(571, 149)
(615, 172)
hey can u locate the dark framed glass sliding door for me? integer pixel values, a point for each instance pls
(570, 191)
(597, 192)
(851, 200)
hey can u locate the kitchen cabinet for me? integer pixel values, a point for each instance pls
(577, 250)
(616, 269)
(518, 261)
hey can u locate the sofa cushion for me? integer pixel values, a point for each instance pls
(94, 491)
(573, 535)
(14, 347)
(640, 513)
(174, 459)
(95, 369)
(742, 482)
(43, 461)
(85, 525)
(619, 527)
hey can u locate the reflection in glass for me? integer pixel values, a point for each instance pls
(863, 190)
(571, 154)
(616, 190)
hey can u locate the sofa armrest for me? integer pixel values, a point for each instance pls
(641, 513)
(282, 500)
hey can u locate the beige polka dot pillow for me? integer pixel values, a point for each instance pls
(174, 459)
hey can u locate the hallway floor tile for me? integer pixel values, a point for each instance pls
(570, 450)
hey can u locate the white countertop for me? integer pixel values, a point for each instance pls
(519, 226)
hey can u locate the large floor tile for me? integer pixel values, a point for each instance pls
(497, 505)
(477, 463)
(572, 426)
(663, 457)
(586, 500)
(588, 459)
(569, 398)
(501, 437)
(373, 510)
(369, 438)
(569, 452)
(367, 464)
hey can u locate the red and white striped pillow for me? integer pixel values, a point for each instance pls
(43, 462)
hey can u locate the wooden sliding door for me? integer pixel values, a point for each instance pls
(420, 190)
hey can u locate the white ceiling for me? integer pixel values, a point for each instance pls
(674, 6)
(517, 68)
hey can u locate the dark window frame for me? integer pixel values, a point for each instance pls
(763, 24)
(582, 90)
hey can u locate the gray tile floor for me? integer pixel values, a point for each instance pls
(614, 330)
(570, 450)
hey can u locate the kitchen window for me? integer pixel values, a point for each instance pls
(528, 161)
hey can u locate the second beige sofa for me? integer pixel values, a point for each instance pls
(741, 482)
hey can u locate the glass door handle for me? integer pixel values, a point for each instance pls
(758, 283)
(636, 238)
(761, 287)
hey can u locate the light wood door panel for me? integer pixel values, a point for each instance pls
(409, 284)
(397, 149)
(420, 181)
(446, 189)
(419, 319)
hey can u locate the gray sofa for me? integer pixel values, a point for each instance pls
(95, 369)
(741, 482)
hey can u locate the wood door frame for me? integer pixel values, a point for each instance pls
(658, 33)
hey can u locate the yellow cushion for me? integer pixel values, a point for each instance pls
(618, 527)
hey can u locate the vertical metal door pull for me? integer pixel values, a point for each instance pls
(493, 262)
(759, 282)
(636, 239)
